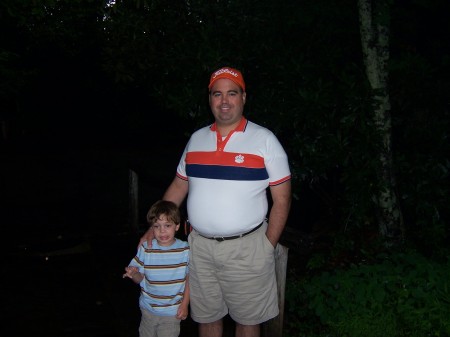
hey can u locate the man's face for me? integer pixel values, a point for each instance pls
(227, 102)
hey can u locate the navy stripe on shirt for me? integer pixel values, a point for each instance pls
(226, 172)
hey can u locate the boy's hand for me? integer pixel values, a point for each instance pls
(130, 272)
(182, 312)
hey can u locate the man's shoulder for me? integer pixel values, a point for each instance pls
(202, 131)
(254, 128)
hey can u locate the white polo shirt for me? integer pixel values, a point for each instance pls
(228, 178)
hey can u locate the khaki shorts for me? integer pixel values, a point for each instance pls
(158, 326)
(235, 277)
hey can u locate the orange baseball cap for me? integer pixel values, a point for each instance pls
(228, 73)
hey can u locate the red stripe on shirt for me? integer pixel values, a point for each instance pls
(225, 159)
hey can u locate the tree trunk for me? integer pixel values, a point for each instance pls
(374, 29)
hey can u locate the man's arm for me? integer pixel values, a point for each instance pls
(281, 197)
(176, 192)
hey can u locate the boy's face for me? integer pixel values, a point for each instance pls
(165, 231)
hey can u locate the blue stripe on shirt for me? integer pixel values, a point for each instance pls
(226, 172)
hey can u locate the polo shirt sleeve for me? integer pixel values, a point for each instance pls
(276, 161)
(181, 169)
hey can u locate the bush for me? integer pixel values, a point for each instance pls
(403, 294)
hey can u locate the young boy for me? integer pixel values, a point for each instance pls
(162, 273)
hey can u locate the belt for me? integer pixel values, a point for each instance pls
(223, 238)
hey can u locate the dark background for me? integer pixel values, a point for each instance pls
(80, 108)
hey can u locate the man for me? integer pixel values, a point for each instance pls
(226, 168)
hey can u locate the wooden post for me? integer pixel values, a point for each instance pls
(274, 327)
(133, 190)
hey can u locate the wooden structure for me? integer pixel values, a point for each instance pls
(133, 192)
(274, 327)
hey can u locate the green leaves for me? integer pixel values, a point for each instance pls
(403, 294)
(303, 65)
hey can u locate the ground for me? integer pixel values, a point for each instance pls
(65, 286)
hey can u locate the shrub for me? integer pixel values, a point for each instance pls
(403, 294)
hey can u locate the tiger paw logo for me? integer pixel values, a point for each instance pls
(239, 159)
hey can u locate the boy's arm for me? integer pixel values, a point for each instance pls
(183, 309)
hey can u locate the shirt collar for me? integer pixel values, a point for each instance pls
(241, 126)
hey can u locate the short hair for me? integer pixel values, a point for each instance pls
(163, 207)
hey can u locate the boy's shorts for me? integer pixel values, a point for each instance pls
(235, 277)
(158, 326)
